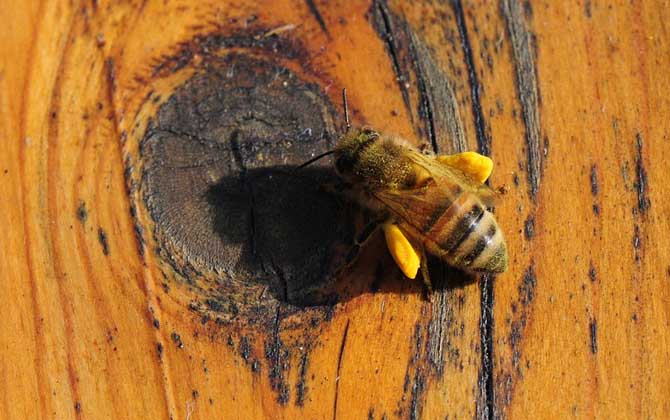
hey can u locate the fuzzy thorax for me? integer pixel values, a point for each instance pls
(364, 157)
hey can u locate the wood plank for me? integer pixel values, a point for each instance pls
(158, 262)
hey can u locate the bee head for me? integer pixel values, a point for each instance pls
(349, 149)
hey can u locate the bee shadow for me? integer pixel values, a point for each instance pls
(445, 277)
(281, 230)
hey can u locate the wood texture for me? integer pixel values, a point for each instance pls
(127, 293)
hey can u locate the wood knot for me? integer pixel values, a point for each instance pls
(238, 227)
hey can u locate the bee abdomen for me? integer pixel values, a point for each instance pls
(483, 248)
(467, 236)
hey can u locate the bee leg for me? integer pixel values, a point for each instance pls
(478, 166)
(401, 250)
(424, 270)
(361, 239)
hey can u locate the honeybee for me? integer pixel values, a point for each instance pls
(426, 203)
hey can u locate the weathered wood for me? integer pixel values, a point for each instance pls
(157, 260)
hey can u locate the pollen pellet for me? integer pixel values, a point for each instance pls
(402, 251)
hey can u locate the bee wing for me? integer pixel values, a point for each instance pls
(418, 205)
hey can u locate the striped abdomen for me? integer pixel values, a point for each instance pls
(466, 235)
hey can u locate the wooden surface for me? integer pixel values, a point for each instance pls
(122, 295)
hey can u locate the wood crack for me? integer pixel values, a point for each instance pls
(278, 357)
(486, 332)
(527, 88)
(483, 142)
(385, 30)
(438, 105)
(643, 201)
(339, 366)
(486, 406)
(317, 15)
(425, 105)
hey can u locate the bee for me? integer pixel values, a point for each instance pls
(427, 203)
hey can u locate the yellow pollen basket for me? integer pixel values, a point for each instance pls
(401, 250)
(477, 166)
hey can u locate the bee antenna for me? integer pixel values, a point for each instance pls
(314, 159)
(346, 108)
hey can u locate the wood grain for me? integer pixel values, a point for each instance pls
(123, 293)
